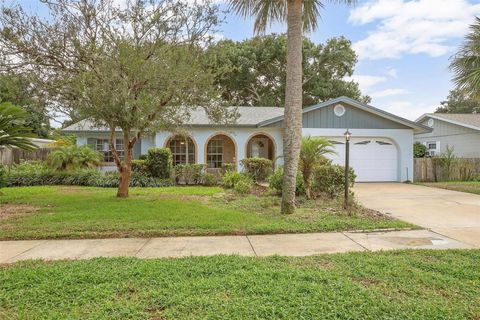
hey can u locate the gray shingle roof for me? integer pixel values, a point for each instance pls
(248, 116)
(471, 120)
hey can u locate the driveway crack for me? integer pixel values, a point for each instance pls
(251, 246)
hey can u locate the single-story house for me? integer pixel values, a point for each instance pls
(460, 131)
(381, 143)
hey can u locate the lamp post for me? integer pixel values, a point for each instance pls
(347, 135)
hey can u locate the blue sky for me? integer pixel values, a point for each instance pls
(404, 46)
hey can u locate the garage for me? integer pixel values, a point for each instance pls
(373, 159)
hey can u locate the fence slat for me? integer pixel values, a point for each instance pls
(430, 169)
(9, 156)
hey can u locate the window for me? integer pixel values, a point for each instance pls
(103, 146)
(433, 148)
(383, 143)
(215, 153)
(363, 142)
(335, 142)
(183, 150)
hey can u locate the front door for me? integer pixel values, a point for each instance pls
(259, 148)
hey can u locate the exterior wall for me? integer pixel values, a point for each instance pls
(402, 138)
(240, 136)
(466, 141)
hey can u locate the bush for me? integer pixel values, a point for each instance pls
(3, 176)
(419, 150)
(244, 186)
(229, 167)
(330, 179)
(139, 166)
(276, 182)
(230, 179)
(209, 179)
(74, 157)
(189, 173)
(159, 162)
(258, 168)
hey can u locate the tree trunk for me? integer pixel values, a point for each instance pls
(292, 124)
(125, 166)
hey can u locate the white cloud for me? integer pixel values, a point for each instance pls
(389, 92)
(403, 26)
(408, 109)
(366, 82)
(392, 72)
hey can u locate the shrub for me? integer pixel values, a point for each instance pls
(276, 182)
(142, 157)
(159, 162)
(229, 167)
(3, 176)
(189, 173)
(74, 157)
(330, 179)
(244, 186)
(139, 166)
(209, 179)
(258, 168)
(419, 150)
(230, 179)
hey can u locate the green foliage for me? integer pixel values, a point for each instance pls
(74, 157)
(419, 150)
(258, 168)
(20, 91)
(312, 154)
(254, 70)
(448, 161)
(209, 179)
(330, 179)
(139, 166)
(465, 64)
(276, 182)
(459, 102)
(32, 173)
(232, 178)
(244, 186)
(3, 176)
(13, 132)
(189, 173)
(227, 167)
(159, 162)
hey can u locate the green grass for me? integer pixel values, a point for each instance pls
(463, 186)
(382, 285)
(84, 212)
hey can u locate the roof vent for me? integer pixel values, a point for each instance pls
(339, 110)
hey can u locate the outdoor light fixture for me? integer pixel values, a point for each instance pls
(347, 135)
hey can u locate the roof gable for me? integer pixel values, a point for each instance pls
(379, 119)
(471, 121)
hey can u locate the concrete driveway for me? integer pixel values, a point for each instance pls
(450, 213)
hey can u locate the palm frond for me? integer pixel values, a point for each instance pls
(13, 133)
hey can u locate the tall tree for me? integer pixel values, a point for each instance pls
(466, 64)
(136, 68)
(458, 102)
(254, 70)
(19, 91)
(299, 15)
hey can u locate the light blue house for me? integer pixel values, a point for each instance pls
(381, 145)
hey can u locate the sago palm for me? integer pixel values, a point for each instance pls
(312, 153)
(299, 15)
(13, 133)
(466, 63)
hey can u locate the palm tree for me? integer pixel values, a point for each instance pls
(12, 131)
(312, 153)
(466, 63)
(300, 15)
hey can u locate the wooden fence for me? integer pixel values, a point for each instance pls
(433, 170)
(10, 156)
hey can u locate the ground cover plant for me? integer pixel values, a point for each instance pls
(382, 285)
(87, 212)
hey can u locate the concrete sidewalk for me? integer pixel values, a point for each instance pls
(254, 245)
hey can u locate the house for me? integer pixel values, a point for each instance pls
(381, 144)
(460, 131)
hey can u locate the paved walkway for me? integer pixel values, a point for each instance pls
(450, 213)
(255, 245)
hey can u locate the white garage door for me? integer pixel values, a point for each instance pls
(373, 159)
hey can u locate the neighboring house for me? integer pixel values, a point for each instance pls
(381, 145)
(460, 131)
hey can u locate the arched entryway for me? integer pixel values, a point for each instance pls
(261, 145)
(183, 148)
(219, 150)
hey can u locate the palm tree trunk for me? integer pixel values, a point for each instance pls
(292, 124)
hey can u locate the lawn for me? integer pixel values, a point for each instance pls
(85, 212)
(382, 285)
(463, 186)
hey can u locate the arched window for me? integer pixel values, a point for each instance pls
(220, 150)
(183, 150)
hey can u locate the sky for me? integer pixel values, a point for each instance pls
(404, 47)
